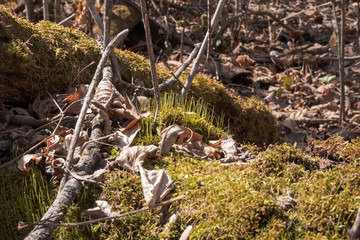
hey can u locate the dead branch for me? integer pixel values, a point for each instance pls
(149, 92)
(194, 69)
(97, 19)
(340, 34)
(46, 10)
(30, 14)
(151, 55)
(68, 18)
(93, 84)
(70, 189)
(354, 231)
(57, 11)
(48, 223)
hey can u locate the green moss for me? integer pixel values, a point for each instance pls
(234, 202)
(24, 197)
(192, 113)
(239, 202)
(41, 57)
(47, 57)
(138, 67)
(336, 149)
(250, 120)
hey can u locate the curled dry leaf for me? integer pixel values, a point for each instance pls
(154, 184)
(102, 209)
(22, 164)
(229, 145)
(130, 158)
(104, 90)
(43, 107)
(171, 133)
(169, 136)
(199, 149)
(126, 137)
(78, 93)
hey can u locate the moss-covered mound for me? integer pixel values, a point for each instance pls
(47, 57)
(41, 57)
(238, 202)
(221, 202)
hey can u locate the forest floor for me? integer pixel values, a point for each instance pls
(284, 54)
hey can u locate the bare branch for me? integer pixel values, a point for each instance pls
(68, 18)
(151, 55)
(42, 223)
(30, 14)
(194, 69)
(354, 232)
(97, 19)
(87, 98)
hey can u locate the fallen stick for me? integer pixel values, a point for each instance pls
(22, 225)
(151, 56)
(354, 231)
(68, 18)
(69, 190)
(93, 84)
(149, 92)
(194, 69)
(99, 23)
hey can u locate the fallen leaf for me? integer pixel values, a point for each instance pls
(154, 184)
(132, 157)
(22, 164)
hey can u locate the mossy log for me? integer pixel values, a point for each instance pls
(41, 57)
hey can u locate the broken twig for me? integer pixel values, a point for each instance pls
(194, 69)
(22, 225)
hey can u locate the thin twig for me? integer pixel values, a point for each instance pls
(194, 69)
(341, 63)
(209, 30)
(93, 62)
(87, 99)
(149, 92)
(22, 225)
(57, 11)
(68, 18)
(113, 59)
(340, 34)
(45, 10)
(107, 22)
(151, 56)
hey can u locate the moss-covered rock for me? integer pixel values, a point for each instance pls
(47, 57)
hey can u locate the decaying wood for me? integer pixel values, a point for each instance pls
(57, 210)
(71, 189)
